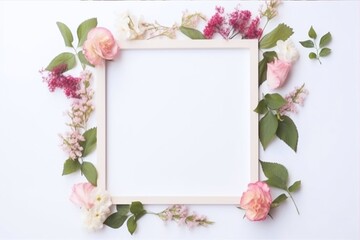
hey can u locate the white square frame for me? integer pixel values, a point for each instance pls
(101, 112)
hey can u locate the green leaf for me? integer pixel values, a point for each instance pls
(312, 34)
(325, 40)
(66, 34)
(261, 108)
(281, 32)
(287, 132)
(277, 201)
(115, 220)
(307, 44)
(274, 101)
(63, 58)
(71, 166)
(140, 215)
(123, 209)
(131, 224)
(83, 59)
(267, 129)
(296, 186)
(276, 173)
(312, 55)
(89, 171)
(277, 182)
(84, 28)
(325, 52)
(191, 33)
(267, 58)
(89, 144)
(136, 207)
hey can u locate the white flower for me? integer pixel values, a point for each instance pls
(94, 218)
(287, 51)
(130, 27)
(102, 199)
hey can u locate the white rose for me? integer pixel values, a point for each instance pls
(287, 51)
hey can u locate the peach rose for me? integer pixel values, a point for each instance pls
(99, 45)
(81, 195)
(256, 201)
(277, 72)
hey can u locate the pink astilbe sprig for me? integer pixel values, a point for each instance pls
(180, 214)
(81, 109)
(238, 22)
(71, 144)
(56, 79)
(296, 97)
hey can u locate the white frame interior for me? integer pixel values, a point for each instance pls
(101, 103)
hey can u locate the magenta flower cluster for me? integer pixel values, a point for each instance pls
(180, 214)
(238, 22)
(56, 79)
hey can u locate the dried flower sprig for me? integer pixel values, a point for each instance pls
(295, 97)
(181, 215)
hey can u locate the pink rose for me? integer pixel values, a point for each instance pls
(81, 195)
(99, 45)
(256, 201)
(277, 72)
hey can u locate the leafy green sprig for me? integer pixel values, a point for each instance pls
(278, 177)
(321, 50)
(274, 124)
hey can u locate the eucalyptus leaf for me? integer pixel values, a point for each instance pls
(84, 28)
(281, 32)
(325, 52)
(261, 108)
(277, 201)
(71, 166)
(267, 58)
(83, 59)
(89, 171)
(312, 55)
(136, 207)
(131, 224)
(123, 209)
(312, 34)
(63, 58)
(276, 173)
(115, 220)
(66, 34)
(192, 33)
(274, 101)
(295, 187)
(267, 129)
(307, 44)
(325, 40)
(287, 132)
(89, 144)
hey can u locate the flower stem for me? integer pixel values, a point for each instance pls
(292, 199)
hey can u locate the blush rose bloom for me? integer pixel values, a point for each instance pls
(256, 201)
(82, 195)
(99, 45)
(277, 73)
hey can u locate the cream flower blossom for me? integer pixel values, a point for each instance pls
(94, 218)
(287, 51)
(129, 27)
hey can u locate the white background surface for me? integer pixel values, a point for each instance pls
(34, 199)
